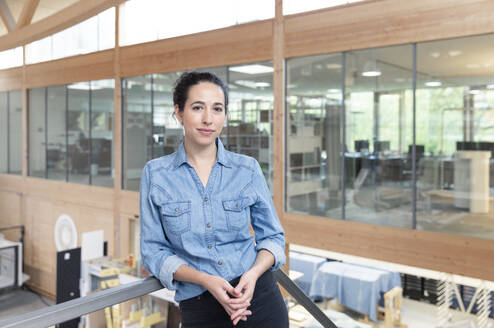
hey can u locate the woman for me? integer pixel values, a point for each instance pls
(196, 208)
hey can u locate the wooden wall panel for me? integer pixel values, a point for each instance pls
(385, 22)
(41, 216)
(233, 45)
(90, 67)
(11, 79)
(429, 250)
(10, 214)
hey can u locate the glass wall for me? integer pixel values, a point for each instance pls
(94, 34)
(297, 6)
(313, 146)
(152, 131)
(452, 158)
(71, 132)
(37, 132)
(11, 58)
(455, 136)
(11, 132)
(4, 133)
(378, 126)
(150, 20)
(250, 114)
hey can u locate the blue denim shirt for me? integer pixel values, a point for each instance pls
(206, 228)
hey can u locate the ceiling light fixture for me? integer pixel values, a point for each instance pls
(433, 84)
(252, 69)
(370, 69)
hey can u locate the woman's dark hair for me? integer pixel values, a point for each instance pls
(188, 79)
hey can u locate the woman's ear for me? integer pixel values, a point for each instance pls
(178, 114)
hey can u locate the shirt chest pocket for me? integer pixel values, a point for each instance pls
(176, 216)
(237, 212)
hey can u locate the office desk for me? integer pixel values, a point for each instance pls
(307, 265)
(355, 286)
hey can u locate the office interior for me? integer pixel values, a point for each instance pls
(372, 121)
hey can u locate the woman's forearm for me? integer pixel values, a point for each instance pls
(188, 274)
(264, 261)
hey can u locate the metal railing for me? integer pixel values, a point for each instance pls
(75, 308)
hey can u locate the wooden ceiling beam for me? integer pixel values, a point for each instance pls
(27, 13)
(67, 17)
(6, 16)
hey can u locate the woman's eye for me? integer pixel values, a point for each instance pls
(218, 109)
(196, 107)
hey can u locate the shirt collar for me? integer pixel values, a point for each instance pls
(221, 156)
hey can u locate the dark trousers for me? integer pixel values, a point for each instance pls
(267, 307)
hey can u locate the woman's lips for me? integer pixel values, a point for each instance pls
(205, 132)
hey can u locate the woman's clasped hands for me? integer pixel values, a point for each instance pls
(235, 300)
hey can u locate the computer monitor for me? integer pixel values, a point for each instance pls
(361, 144)
(380, 146)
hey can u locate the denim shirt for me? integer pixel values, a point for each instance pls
(183, 223)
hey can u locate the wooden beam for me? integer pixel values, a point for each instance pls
(27, 13)
(471, 257)
(6, 16)
(67, 17)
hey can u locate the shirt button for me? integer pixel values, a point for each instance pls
(208, 225)
(219, 262)
(210, 246)
(206, 199)
(176, 210)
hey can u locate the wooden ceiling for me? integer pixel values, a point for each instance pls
(15, 14)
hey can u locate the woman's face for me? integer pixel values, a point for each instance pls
(204, 113)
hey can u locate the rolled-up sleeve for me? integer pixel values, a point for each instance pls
(265, 222)
(157, 254)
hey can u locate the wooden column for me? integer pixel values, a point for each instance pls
(117, 139)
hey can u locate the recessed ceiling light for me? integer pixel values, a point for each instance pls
(252, 69)
(371, 73)
(490, 86)
(474, 92)
(262, 84)
(334, 90)
(454, 53)
(473, 66)
(333, 66)
(435, 54)
(433, 84)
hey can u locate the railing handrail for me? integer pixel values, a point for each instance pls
(62, 312)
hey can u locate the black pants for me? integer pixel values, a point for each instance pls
(267, 307)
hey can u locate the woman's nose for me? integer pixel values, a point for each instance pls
(206, 116)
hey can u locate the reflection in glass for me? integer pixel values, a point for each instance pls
(250, 114)
(78, 132)
(15, 132)
(56, 151)
(167, 131)
(455, 136)
(101, 166)
(4, 130)
(313, 100)
(378, 112)
(138, 139)
(37, 132)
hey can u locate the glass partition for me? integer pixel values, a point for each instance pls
(455, 136)
(37, 132)
(102, 159)
(78, 132)
(4, 130)
(71, 132)
(152, 131)
(11, 58)
(378, 126)
(250, 114)
(297, 6)
(15, 132)
(313, 146)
